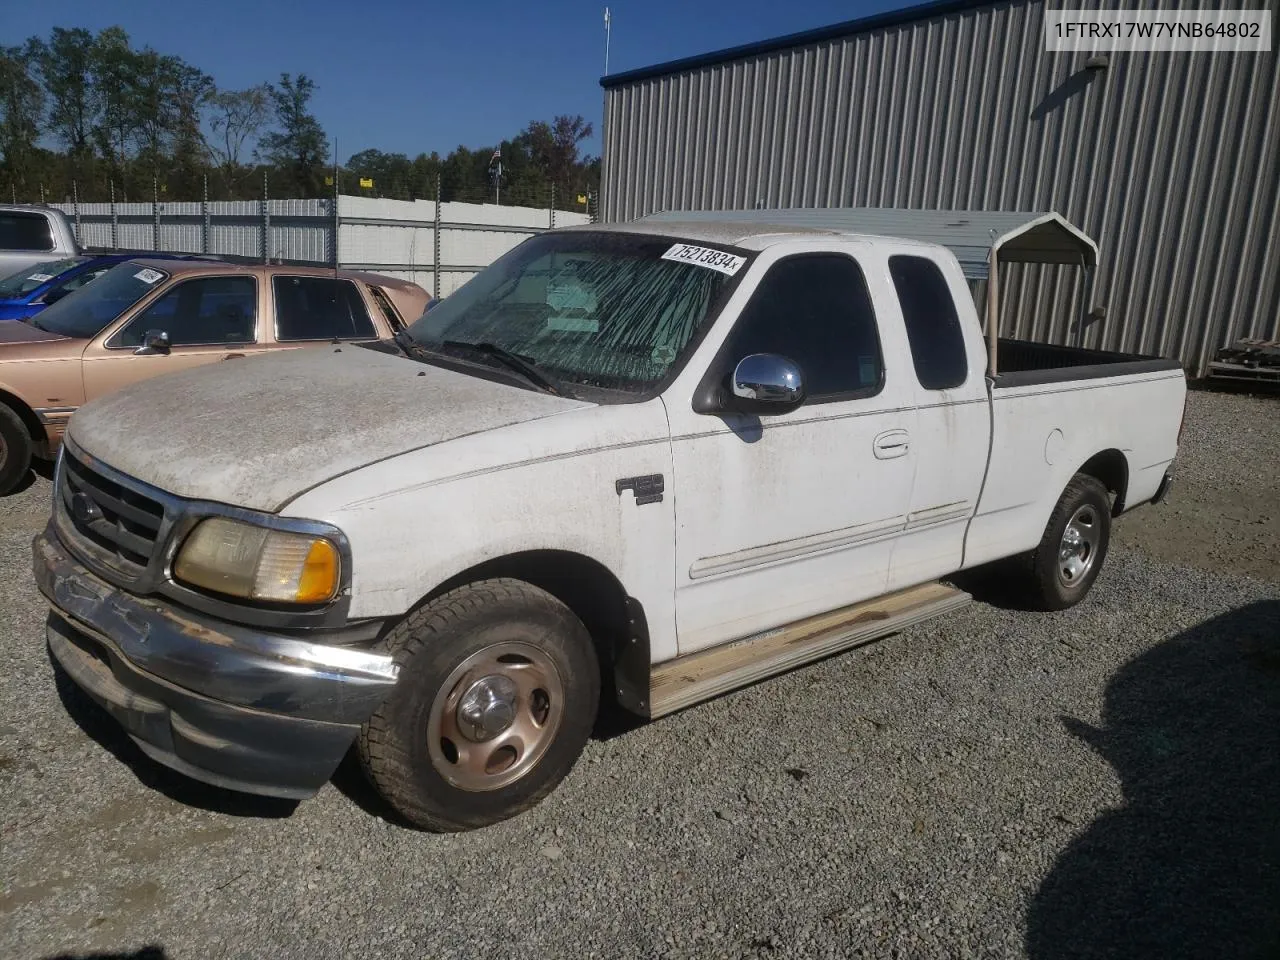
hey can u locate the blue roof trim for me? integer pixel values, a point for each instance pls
(876, 21)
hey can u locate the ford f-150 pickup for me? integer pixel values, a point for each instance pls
(645, 463)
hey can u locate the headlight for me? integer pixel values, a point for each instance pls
(252, 562)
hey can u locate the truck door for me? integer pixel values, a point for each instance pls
(782, 517)
(952, 425)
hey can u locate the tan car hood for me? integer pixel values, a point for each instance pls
(257, 432)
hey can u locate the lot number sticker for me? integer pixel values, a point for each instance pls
(147, 275)
(40, 277)
(726, 263)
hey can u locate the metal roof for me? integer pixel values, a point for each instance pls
(887, 19)
(1022, 237)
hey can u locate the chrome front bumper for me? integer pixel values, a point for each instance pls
(229, 705)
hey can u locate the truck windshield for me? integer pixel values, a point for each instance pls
(604, 310)
(84, 313)
(24, 281)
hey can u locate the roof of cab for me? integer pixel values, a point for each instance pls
(1017, 236)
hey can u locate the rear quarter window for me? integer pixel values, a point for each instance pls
(25, 231)
(388, 309)
(933, 325)
(319, 308)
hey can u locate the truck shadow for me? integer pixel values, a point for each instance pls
(106, 731)
(146, 953)
(1189, 866)
(1000, 583)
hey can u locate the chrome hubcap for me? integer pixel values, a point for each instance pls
(495, 716)
(1079, 545)
(487, 708)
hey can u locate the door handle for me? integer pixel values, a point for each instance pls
(891, 443)
(233, 356)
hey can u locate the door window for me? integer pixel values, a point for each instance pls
(933, 326)
(815, 309)
(319, 308)
(204, 311)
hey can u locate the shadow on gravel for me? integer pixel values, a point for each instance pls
(1189, 867)
(39, 469)
(1000, 583)
(146, 953)
(350, 781)
(106, 731)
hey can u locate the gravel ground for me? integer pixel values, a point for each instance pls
(1100, 782)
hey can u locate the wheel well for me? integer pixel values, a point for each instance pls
(1111, 469)
(588, 588)
(28, 416)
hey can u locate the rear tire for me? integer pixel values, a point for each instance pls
(497, 695)
(15, 450)
(1074, 545)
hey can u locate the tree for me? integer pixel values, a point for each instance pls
(235, 117)
(300, 145)
(392, 174)
(165, 99)
(22, 105)
(65, 66)
(113, 68)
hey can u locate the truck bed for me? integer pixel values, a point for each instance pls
(1023, 362)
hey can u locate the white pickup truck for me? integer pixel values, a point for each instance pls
(645, 463)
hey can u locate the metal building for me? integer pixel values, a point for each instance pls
(1171, 161)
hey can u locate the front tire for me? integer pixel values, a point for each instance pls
(15, 450)
(1074, 545)
(498, 691)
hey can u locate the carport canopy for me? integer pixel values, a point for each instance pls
(1016, 237)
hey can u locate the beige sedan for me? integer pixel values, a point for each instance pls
(146, 317)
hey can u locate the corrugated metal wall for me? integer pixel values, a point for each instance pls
(393, 237)
(1171, 161)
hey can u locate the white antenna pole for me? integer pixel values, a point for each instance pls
(608, 23)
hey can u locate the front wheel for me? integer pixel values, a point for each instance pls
(15, 450)
(497, 695)
(1074, 545)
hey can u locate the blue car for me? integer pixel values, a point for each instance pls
(30, 290)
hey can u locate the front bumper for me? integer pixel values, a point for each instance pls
(231, 706)
(1162, 491)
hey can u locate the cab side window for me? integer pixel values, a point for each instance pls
(200, 312)
(815, 309)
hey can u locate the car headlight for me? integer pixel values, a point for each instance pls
(244, 560)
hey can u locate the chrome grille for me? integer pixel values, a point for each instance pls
(119, 522)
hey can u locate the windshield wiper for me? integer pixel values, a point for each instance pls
(407, 344)
(507, 358)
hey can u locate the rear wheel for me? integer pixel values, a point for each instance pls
(15, 450)
(497, 694)
(1074, 545)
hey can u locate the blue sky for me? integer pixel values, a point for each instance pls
(411, 77)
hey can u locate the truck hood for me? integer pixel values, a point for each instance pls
(257, 432)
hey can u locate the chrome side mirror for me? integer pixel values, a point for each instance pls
(153, 341)
(765, 383)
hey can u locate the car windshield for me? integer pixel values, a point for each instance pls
(601, 310)
(84, 313)
(29, 278)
